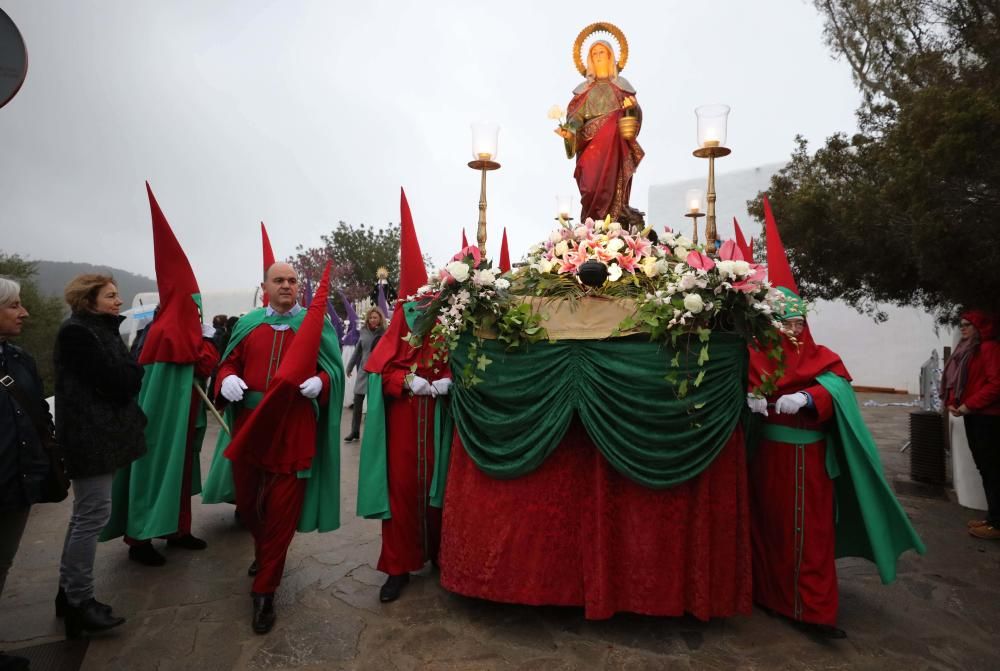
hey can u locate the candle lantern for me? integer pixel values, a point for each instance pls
(484, 153)
(694, 201)
(564, 208)
(712, 120)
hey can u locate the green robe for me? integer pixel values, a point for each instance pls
(321, 508)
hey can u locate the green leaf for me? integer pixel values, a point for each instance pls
(682, 389)
(703, 355)
(699, 378)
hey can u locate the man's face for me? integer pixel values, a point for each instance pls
(281, 286)
(12, 319)
(793, 327)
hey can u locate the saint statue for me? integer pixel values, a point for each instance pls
(602, 122)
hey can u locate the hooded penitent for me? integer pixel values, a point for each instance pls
(504, 264)
(267, 253)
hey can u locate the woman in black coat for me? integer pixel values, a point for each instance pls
(23, 462)
(100, 427)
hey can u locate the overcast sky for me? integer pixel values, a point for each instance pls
(305, 113)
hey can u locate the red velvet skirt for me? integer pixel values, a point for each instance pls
(577, 533)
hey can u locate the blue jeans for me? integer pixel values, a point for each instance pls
(91, 512)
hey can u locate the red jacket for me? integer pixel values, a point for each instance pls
(982, 387)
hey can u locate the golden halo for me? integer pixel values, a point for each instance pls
(600, 27)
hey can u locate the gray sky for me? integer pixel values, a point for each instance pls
(305, 113)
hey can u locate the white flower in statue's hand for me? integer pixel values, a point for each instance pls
(614, 272)
(556, 113)
(561, 248)
(502, 283)
(458, 270)
(484, 277)
(615, 244)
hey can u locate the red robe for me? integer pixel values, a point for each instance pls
(791, 495)
(269, 504)
(412, 535)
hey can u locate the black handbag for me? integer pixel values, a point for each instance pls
(55, 487)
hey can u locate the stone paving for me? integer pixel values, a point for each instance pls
(943, 612)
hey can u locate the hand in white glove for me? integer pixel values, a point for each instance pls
(442, 386)
(758, 405)
(311, 387)
(232, 388)
(207, 331)
(421, 387)
(789, 404)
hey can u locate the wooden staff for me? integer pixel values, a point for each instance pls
(204, 397)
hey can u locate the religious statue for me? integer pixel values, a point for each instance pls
(602, 122)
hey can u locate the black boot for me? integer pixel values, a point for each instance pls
(252, 571)
(187, 541)
(393, 587)
(146, 554)
(89, 617)
(13, 663)
(62, 604)
(820, 630)
(263, 612)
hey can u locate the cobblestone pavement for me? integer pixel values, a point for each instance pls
(943, 612)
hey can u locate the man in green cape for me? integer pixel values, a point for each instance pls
(283, 377)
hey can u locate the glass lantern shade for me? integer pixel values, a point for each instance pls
(712, 121)
(694, 200)
(484, 141)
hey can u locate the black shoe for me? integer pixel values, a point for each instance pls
(89, 616)
(821, 630)
(351, 438)
(146, 554)
(263, 612)
(62, 604)
(13, 663)
(187, 541)
(252, 571)
(393, 587)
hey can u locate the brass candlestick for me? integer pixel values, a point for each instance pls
(711, 152)
(694, 215)
(485, 164)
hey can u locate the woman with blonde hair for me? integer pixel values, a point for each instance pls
(100, 428)
(372, 330)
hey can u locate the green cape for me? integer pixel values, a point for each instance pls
(321, 509)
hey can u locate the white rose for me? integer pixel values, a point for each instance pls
(741, 268)
(684, 241)
(726, 269)
(484, 277)
(615, 244)
(614, 272)
(502, 284)
(687, 282)
(662, 267)
(458, 270)
(693, 303)
(562, 248)
(681, 252)
(615, 226)
(545, 265)
(649, 266)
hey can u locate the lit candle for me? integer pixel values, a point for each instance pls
(711, 137)
(696, 206)
(693, 200)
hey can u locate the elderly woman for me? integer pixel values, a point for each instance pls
(372, 330)
(100, 427)
(23, 415)
(971, 388)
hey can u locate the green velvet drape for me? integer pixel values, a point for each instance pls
(512, 421)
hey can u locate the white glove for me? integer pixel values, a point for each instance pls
(232, 388)
(758, 405)
(442, 386)
(207, 331)
(311, 387)
(421, 387)
(789, 404)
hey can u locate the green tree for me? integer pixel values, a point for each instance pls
(357, 254)
(46, 314)
(904, 211)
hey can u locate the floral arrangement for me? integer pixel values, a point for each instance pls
(468, 295)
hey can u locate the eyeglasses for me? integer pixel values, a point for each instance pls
(964, 324)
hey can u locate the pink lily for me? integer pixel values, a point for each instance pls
(626, 262)
(639, 245)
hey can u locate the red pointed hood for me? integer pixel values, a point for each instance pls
(804, 361)
(465, 241)
(779, 272)
(175, 334)
(741, 242)
(504, 253)
(272, 436)
(412, 272)
(268, 255)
